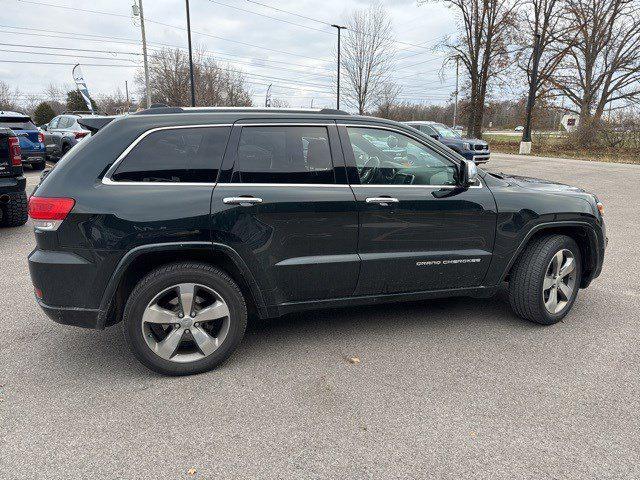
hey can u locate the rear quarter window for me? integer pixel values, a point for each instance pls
(178, 155)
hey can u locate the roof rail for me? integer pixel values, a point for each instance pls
(333, 111)
(159, 110)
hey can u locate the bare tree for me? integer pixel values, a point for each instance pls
(547, 18)
(367, 55)
(387, 99)
(215, 85)
(603, 61)
(487, 30)
(9, 98)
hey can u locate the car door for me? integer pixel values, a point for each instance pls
(418, 230)
(284, 204)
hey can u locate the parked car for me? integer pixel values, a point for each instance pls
(31, 139)
(519, 128)
(470, 148)
(13, 199)
(180, 222)
(62, 133)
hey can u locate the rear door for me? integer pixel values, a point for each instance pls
(418, 231)
(283, 202)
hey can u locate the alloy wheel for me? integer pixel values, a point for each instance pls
(185, 322)
(558, 286)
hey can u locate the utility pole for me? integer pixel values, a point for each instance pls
(137, 10)
(455, 105)
(267, 96)
(340, 28)
(126, 89)
(525, 144)
(193, 87)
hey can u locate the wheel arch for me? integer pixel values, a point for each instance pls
(581, 232)
(141, 260)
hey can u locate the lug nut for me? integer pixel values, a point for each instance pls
(180, 315)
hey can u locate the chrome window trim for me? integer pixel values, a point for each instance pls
(106, 179)
(285, 124)
(325, 185)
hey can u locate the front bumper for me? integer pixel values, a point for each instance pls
(477, 156)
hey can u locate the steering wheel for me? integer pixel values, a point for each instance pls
(368, 170)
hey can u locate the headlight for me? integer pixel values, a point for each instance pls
(466, 146)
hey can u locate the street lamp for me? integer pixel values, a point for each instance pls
(340, 28)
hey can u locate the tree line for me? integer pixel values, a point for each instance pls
(588, 54)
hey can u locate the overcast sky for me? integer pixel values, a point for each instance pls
(293, 53)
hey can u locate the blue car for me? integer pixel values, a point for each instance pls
(31, 138)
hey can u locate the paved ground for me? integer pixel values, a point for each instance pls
(458, 388)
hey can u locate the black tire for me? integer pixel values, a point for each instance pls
(165, 277)
(15, 213)
(527, 277)
(39, 165)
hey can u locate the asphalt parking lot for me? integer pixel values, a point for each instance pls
(455, 388)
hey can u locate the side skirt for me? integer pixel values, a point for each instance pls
(476, 292)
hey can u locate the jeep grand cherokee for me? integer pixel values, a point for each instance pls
(177, 222)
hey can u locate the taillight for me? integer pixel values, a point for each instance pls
(79, 135)
(40, 137)
(48, 213)
(14, 151)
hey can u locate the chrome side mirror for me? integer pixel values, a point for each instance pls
(468, 173)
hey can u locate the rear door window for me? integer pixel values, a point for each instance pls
(177, 155)
(284, 154)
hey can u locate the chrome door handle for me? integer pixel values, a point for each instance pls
(384, 201)
(242, 201)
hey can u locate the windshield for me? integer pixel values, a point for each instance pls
(444, 131)
(17, 123)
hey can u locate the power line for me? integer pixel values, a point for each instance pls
(68, 48)
(322, 21)
(68, 7)
(66, 55)
(71, 64)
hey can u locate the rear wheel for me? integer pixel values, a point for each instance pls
(545, 281)
(184, 318)
(15, 212)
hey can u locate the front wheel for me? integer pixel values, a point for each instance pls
(184, 318)
(545, 280)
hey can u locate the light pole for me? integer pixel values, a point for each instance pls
(455, 105)
(340, 28)
(144, 49)
(193, 87)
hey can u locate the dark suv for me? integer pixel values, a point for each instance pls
(178, 222)
(470, 148)
(13, 199)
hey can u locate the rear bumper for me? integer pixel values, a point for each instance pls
(78, 317)
(12, 184)
(33, 157)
